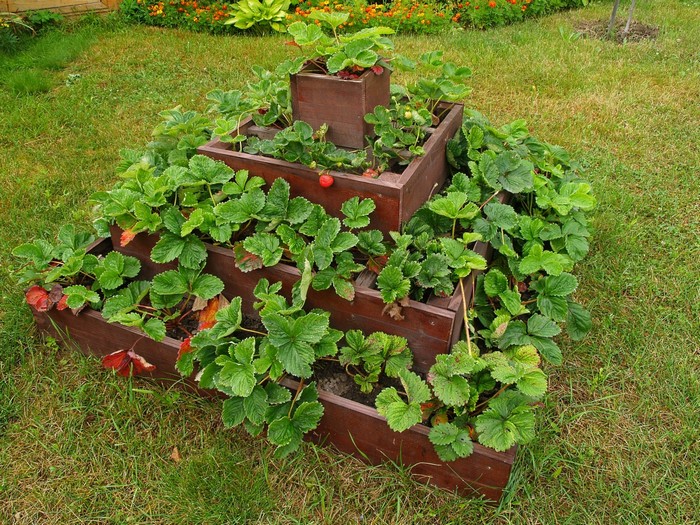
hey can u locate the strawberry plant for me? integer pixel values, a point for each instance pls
(345, 55)
(248, 365)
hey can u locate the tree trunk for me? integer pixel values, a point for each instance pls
(611, 24)
(629, 17)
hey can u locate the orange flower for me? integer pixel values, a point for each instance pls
(492, 4)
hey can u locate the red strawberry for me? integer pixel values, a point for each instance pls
(326, 180)
(370, 173)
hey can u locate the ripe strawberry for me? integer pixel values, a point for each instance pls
(326, 180)
(370, 173)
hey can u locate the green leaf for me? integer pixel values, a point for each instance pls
(255, 405)
(344, 288)
(513, 302)
(454, 390)
(371, 242)
(78, 295)
(392, 284)
(206, 286)
(282, 432)
(548, 349)
(540, 259)
(541, 326)
(454, 205)
(307, 416)
(233, 412)
(155, 329)
(276, 394)
(578, 321)
(451, 442)
(556, 285)
(266, 246)
(293, 339)
(343, 241)
(507, 421)
(357, 212)
(556, 308)
(495, 283)
(399, 415)
(239, 211)
(502, 215)
(171, 282)
(516, 174)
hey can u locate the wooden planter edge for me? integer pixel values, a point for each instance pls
(351, 427)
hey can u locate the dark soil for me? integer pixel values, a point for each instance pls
(333, 378)
(190, 324)
(599, 29)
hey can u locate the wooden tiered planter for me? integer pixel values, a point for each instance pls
(396, 195)
(430, 328)
(318, 98)
(350, 426)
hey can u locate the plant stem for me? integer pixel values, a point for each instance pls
(611, 24)
(486, 401)
(296, 395)
(251, 331)
(466, 317)
(629, 18)
(488, 200)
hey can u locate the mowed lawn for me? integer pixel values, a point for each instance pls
(618, 435)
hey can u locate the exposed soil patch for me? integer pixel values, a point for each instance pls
(599, 29)
(331, 377)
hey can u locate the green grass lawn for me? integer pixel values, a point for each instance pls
(617, 438)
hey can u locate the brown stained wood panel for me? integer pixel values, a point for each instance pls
(95, 336)
(430, 330)
(346, 424)
(66, 7)
(359, 430)
(397, 196)
(341, 104)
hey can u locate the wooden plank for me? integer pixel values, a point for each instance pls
(4, 6)
(60, 6)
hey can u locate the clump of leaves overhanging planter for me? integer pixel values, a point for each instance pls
(482, 391)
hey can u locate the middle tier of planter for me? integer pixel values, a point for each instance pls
(430, 328)
(396, 195)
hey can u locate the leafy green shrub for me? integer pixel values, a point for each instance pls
(260, 15)
(41, 20)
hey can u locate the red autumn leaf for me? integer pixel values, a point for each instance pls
(126, 237)
(38, 298)
(377, 264)
(378, 70)
(246, 261)
(207, 317)
(126, 362)
(439, 419)
(62, 303)
(185, 347)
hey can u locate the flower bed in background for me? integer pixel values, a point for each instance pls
(404, 16)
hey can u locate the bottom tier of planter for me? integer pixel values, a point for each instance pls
(350, 426)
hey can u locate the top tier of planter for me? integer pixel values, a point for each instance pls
(339, 103)
(396, 195)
